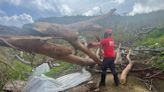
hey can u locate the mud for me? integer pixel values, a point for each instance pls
(133, 85)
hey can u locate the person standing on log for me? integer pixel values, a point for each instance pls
(107, 45)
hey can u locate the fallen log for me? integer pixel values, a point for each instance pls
(36, 45)
(126, 70)
(67, 34)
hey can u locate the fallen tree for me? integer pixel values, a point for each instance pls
(39, 45)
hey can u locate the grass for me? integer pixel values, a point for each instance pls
(61, 70)
(22, 71)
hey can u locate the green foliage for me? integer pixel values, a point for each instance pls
(159, 62)
(155, 40)
(157, 33)
(63, 69)
(21, 73)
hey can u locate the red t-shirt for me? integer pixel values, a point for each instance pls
(108, 47)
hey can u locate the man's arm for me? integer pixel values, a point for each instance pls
(93, 44)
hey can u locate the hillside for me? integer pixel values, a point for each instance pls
(6, 30)
(65, 19)
(154, 19)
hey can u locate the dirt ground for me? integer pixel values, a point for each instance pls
(133, 85)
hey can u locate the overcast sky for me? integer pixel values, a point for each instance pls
(19, 12)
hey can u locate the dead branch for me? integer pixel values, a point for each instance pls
(148, 84)
(155, 74)
(22, 60)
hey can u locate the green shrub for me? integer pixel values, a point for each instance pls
(21, 71)
(63, 69)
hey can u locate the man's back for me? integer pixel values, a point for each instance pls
(108, 47)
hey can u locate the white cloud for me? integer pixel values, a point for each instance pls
(65, 10)
(146, 7)
(51, 6)
(119, 1)
(16, 20)
(43, 5)
(46, 8)
(93, 11)
(60, 7)
(15, 2)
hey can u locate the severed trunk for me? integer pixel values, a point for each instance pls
(67, 34)
(126, 70)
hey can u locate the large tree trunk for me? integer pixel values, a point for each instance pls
(65, 33)
(33, 44)
(37, 45)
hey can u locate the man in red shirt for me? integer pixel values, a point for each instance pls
(108, 57)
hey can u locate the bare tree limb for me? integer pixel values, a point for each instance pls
(22, 60)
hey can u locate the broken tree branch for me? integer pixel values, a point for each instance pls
(22, 60)
(155, 74)
(127, 69)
